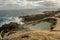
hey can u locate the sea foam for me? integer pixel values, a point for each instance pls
(6, 20)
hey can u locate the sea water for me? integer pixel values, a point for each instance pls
(6, 20)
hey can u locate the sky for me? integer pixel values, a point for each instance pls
(24, 4)
(27, 7)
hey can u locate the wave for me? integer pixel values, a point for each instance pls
(6, 20)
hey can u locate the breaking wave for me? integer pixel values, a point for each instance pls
(6, 20)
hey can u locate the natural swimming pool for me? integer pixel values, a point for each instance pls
(43, 25)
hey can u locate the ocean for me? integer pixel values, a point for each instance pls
(6, 20)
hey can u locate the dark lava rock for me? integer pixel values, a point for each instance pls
(8, 27)
(39, 16)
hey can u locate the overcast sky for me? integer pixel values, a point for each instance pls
(23, 7)
(23, 4)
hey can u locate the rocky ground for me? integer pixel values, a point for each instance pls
(34, 35)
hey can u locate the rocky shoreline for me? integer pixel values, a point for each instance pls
(39, 16)
(26, 19)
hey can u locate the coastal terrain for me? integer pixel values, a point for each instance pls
(30, 29)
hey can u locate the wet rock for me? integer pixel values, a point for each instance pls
(8, 28)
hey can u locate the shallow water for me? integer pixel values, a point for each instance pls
(41, 26)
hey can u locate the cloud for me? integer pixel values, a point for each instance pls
(18, 4)
(14, 8)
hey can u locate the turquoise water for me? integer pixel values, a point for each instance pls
(6, 20)
(41, 26)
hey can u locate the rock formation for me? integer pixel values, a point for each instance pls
(39, 16)
(8, 28)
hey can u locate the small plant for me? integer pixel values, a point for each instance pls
(25, 36)
(35, 39)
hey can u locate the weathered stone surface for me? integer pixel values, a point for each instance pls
(8, 28)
